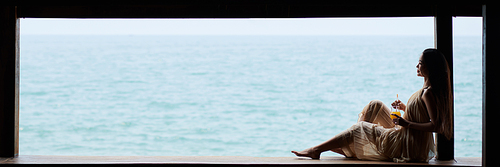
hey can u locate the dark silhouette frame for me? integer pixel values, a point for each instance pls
(442, 11)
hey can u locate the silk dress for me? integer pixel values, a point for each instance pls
(375, 137)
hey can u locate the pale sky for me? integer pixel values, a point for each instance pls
(470, 26)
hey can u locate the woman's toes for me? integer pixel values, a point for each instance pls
(311, 153)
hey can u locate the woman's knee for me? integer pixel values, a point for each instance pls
(371, 111)
(376, 103)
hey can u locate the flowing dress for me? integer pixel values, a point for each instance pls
(375, 138)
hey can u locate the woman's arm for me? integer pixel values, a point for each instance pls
(399, 104)
(430, 105)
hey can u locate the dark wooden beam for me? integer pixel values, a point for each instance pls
(9, 81)
(443, 41)
(237, 10)
(491, 89)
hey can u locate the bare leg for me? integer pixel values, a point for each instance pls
(339, 151)
(374, 112)
(315, 152)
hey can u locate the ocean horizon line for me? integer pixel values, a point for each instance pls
(339, 35)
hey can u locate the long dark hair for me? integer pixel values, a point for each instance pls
(439, 79)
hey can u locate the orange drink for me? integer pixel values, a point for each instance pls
(395, 112)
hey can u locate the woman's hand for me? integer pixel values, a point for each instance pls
(400, 121)
(400, 105)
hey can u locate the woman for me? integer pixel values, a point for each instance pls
(374, 136)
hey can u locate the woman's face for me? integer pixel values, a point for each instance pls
(421, 69)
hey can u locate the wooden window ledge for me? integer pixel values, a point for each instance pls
(218, 160)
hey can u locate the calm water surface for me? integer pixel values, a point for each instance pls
(222, 95)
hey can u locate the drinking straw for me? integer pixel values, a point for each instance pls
(397, 98)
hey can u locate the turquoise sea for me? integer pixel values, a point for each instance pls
(222, 95)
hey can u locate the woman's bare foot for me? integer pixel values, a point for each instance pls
(310, 152)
